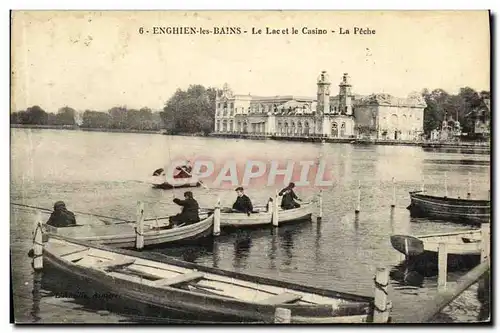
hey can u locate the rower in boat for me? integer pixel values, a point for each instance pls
(184, 171)
(61, 217)
(289, 197)
(243, 204)
(190, 209)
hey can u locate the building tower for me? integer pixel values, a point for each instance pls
(345, 96)
(323, 105)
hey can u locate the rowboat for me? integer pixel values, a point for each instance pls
(160, 181)
(262, 216)
(452, 209)
(463, 247)
(156, 233)
(145, 278)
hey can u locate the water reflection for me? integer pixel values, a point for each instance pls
(273, 249)
(405, 276)
(286, 242)
(37, 296)
(242, 245)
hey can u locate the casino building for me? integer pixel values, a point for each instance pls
(345, 115)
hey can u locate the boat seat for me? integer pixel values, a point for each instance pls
(117, 263)
(183, 278)
(282, 298)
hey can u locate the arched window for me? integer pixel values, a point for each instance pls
(335, 130)
(342, 130)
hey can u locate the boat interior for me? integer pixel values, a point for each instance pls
(163, 275)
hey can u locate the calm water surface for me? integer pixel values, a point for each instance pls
(105, 173)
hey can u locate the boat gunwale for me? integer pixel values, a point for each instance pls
(417, 194)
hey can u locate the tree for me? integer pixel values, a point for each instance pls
(190, 111)
(95, 119)
(65, 116)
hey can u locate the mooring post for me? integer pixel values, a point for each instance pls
(422, 188)
(38, 242)
(358, 204)
(282, 316)
(445, 184)
(320, 206)
(381, 311)
(393, 193)
(442, 266)
(485, 242)
(139, 228)
(275, 210)
(216, 231)
(470, 186)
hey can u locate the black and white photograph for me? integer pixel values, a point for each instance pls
(264, 167)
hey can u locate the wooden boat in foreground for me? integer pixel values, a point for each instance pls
(123, 235)
(263, 216)
(167, 283)
(452, 209)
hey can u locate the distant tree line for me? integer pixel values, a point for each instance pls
(464, 106)
(115, 118)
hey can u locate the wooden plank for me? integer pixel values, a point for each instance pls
(282, 298)
(435, 305)
(113, 264)
(183, 278)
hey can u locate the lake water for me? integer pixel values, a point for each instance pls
(104, 173)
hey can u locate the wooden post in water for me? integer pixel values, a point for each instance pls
(320, 206)
(38, 242)
(381, 311)
(422, 188)
(358, 204)
(275, 210)
(442, 266)
(393, 193)
(216, 231)
(139, 227)
(470, 187)
(282, 316)
(445, 184)
(485, 242)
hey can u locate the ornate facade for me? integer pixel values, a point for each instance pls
(345, 115)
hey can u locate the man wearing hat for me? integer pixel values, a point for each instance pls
(190, 209)
(289, 197)
(243, 203)
(61, 217)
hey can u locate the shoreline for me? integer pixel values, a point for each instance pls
(484, 147)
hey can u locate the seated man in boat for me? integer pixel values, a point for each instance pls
(289, 197)
(243, 203)
(184, 171)
(190, 209)
(61, 217)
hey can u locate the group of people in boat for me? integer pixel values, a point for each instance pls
(62, 217)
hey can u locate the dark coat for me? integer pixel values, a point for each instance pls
(62, 218)
(288, 200)
(243, 204)
(190, 210)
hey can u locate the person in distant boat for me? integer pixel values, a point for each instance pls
(243, 203)
(289, 197)
(184, 171)
(190, 209)
(61, 217)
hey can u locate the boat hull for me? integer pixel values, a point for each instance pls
(124, 236)
(449, 209)
(352, 308)
(264, 217)
(463, 248)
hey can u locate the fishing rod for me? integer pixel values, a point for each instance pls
(76, 212)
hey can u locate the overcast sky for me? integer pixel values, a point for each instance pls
(97, 60)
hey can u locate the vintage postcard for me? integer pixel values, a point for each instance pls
(264, 167)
